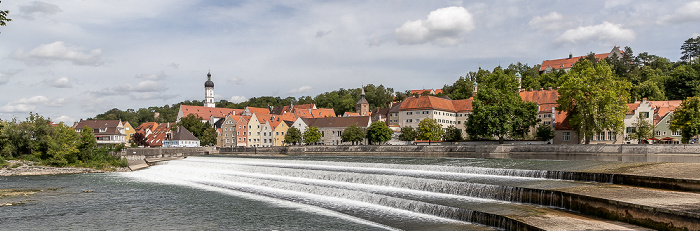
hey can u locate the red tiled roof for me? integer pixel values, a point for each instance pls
(155, 140)
(206, 112)
(147, 125)
(304, 106)
(427, 103)
(258, 110)
(419, 92)
(567, 62)
(546, 99)
(347, 113)
(463, 105)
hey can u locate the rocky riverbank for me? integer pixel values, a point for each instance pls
(29, 168)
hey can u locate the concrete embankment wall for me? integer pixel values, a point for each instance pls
(142, 153)
(599, 152)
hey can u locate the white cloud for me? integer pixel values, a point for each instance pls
(300, 90)
(143, 86)
(238, 99)
(61, 83)
(686, 13)
(605, 33)
(444, 26)
(552, 21)
(235, 80)
(615, 3)
(29, 104)
(4, 79)
(30, 9)
(153, 95)
(59, 51)
(66, 119)
(154, 76)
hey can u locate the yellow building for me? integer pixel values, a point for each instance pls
(129, 131)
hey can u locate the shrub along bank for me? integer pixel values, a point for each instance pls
(38, 139)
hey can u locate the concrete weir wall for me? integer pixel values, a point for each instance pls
(142, 153)
(599, 152)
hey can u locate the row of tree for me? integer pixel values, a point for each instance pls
(36, 138)
(377, 133)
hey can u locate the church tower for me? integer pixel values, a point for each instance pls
(209, 92)
(362, 106)
(519, 77)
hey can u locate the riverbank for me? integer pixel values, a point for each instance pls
(30, 168)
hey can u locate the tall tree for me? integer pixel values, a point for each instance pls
(499, 111)
(684, 82)
(643, 129)
(293, 136)
(430, 130)
(63, 146)
(208, 137)
(193, 123)
(544, 132)
(88, 143)
(690, 49)
(686, 119)
(312, 135)
(594, 100)
(353, 133)
(408, 133)
(139, 139)
(452, 134)
(460, 89)
(378, 133)
(3, 17)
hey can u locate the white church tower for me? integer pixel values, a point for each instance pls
(209, 92)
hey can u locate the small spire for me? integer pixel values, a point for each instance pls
(209, 75)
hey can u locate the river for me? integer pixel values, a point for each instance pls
(283, 193)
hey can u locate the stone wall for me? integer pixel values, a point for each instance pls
(600, 152)
(141, 153)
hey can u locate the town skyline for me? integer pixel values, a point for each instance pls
(68, 60)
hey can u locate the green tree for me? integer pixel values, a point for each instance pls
(643, 130)
(460, 89)
(3, 17)
(378, 132)
(452, 134)
(293, 136)
(63, 146)
(430, 130)
(593, 98)
(312, 135)
(208, 137)
(686, 119)
(690, 49)
(408, 133)
(499, 111)
(544, 132)
(193, 123)
(684, 82)
(87, 144)
(353, 133)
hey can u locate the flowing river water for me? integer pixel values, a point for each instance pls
(293, 193)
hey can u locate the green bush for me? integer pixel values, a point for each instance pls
(3, 162)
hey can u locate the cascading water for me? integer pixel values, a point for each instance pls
(405, 196)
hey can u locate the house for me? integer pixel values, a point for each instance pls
(128, 132)
(331, 128)
(413, 110)
(280, 129)
(566, 64)
(463, 108)
(232, 132)
(663, 113)
(108, 133)
(182, 138)
(393, 115)
(380, 114)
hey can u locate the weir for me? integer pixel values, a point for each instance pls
(420, 195)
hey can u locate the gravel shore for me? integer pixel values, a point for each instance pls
(28, 168)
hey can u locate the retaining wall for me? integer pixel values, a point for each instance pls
(142, 153)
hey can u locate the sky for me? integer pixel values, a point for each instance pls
(73, 59)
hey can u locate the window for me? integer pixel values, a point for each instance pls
(282, 133)
(610, 135)
(409, 120)
(409, 113)
(277, 133)
(601, 136)
(566, 136)
(658, 133)
(425, 112)
(644, 115)
(678, 133)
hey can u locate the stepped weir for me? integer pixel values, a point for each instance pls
(442, 193)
